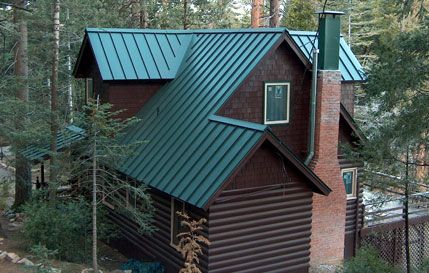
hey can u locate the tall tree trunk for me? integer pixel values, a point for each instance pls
(54, 98)
(94, 193)
(69, 69)
(22, 166)
(94, 205)
(274, 13)
(185, 14)
(256, 13)
(143, 14)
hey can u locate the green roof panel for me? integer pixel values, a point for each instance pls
(136, 54)
(69, 136)
(350, 68)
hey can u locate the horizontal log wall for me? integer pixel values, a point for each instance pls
(265, 229)
(154, 247)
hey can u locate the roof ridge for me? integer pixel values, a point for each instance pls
(189, 31)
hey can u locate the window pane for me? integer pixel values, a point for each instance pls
(276, 102)
(348, 181)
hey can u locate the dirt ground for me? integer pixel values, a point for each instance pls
(109, 259)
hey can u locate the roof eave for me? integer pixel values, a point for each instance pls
(352, 124)
(288, 38)
(83, 47)
(319, 185)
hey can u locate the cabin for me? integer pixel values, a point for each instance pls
(243, 127)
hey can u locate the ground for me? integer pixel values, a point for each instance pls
(110, 259)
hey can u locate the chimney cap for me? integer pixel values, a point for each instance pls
(333, 12)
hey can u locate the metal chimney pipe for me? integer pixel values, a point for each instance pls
(329, 39)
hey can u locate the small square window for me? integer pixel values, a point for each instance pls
(349, 179)
(276, 108)
(176, 220)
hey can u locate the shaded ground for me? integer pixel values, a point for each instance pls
(109, 259)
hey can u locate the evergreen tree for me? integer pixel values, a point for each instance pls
(300, 15)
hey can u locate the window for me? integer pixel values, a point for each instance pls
(276, 107)
(176, 220)
(89, 89)
(349, 179)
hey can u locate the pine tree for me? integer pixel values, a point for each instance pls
(300, 15)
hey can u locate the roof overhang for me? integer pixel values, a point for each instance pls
(351, 123)
(316, 184)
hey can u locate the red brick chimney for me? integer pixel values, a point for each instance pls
(329, 212)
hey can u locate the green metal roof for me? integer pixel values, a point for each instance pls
(188, 152)
(350, 68)
(138, 55)
(70, 135)
(147, 54)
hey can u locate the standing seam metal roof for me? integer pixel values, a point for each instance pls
(65, 138)
(350, 68)
(141, 54)
(186, 150)
(134, 55)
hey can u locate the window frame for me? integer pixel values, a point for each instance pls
(352, 195)
(89, 89)
(275, 83)
(173, 229)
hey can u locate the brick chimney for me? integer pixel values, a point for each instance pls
(329, 212)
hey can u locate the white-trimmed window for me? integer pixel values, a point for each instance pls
(349, 178)
(276, 102)
(176, 220)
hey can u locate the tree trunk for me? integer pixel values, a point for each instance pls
(22, 166)
(274, 13)
(53, 172)
(143, 14)
(256, 13)
(94, 195)
(69, 70)
(185, 14)
(94, 207)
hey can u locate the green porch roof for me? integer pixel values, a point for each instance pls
(70, 135)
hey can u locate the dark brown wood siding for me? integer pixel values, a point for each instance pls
(348, 96)
(353, 224)
(261, 222)
(154, 247)
(261, 230)
(247, 103)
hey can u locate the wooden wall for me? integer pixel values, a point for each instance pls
(262, 223)
(154, 247)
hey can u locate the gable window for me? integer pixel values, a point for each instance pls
(176, 220)
(349, 179)
(276, 105)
